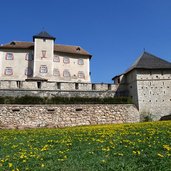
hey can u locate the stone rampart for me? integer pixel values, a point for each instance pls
(34, 116)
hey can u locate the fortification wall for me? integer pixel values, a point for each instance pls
(50, 89)
(42, 85)
(14, 116)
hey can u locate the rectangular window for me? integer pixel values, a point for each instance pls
(93, 87)
(76, 86)
(39, 85)
(58, 85)
(9, 56)
(8, 71)
(43, 54)
(43, 69)
(109, 87)
(19, 84)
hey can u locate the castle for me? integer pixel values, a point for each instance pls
(42, 59)
(43, 68)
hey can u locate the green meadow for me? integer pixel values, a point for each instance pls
(115, 147)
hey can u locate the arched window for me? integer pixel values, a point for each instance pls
(81, 74)
(56, 72)
(80, 61)
(66, 73)
(66, 60)
(56, 58)
(28, 71)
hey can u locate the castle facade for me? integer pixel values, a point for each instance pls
(42, 59)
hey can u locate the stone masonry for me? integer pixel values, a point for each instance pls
(33, 116)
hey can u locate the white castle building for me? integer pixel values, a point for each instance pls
(42, 59)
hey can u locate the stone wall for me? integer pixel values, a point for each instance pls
(59, 93)
(22, 116)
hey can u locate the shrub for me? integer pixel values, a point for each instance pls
(64, 100)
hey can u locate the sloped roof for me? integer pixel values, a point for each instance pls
(44, 34)
(18, 45)
(149, 61)
(57, 48)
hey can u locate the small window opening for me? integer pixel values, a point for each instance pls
(78, 109)
(58, 85)
(39, 84)
(109, 87)
(76, 86)
(19, 84)
(93, 87)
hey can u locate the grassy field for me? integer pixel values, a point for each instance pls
(118, 147)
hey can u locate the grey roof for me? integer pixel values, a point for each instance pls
(149, 61)
(44, 34)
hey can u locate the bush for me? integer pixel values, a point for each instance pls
(64, 100)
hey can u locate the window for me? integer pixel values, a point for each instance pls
(43, 69)
(19, 84)
(109, 87)
(56, 58)
(29, 57)
(76, 86)
(39, 85)
(9, 56)
(80, 61)
(43, 54)
(56, 72)
(66, 73)
(93, 87)
(81, 74)
(66, 60)
(28, 71)
(58, 85)
(8, 71)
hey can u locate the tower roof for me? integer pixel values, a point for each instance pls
(149, 61)
(45, 35)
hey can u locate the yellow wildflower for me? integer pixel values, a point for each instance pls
(160, 155)
(9, 164)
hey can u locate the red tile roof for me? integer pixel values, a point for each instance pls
(57, 48)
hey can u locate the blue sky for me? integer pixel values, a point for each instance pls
(115, 32)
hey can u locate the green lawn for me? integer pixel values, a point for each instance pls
(117, 147)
